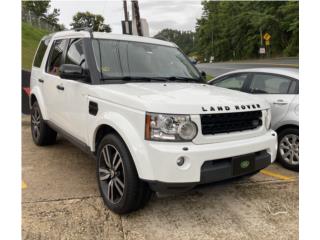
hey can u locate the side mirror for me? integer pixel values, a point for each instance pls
(71, 71)
(194, 62)
(203, 75)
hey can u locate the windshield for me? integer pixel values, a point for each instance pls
(133, 60)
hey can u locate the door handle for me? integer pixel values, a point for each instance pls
(280, 102)
(40, 80)
(60, 87)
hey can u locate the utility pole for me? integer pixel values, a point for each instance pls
(261, 41)
(126, 24)
(126, 16)
(136, 16)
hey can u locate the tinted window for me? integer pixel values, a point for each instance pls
(110, 66)
(234, 82)
(75, 54)
(56, 53)
(40, 53)
(272, 84)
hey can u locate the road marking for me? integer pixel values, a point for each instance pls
(24, 185)
(275, 175)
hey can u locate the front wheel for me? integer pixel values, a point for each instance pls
(120, 187)
(288, 148)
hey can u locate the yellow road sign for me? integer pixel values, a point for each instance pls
(266, 36)
(267, 43)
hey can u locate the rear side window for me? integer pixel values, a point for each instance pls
(40, 53)
(55, 58)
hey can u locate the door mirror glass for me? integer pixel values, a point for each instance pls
(71, 71)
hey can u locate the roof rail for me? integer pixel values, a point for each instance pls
(89, 29)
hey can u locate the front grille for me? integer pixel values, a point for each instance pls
(230, 122)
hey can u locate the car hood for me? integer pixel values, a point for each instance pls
(180, 98)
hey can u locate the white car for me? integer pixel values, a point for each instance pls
(280, 87)
(144, 112)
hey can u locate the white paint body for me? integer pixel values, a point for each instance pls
(124, 107)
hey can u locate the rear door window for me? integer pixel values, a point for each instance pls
(40, 52)
(269, 84)
(56, 56)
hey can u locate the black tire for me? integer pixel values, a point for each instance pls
(42, 134)
(135, 193)
(288, 133)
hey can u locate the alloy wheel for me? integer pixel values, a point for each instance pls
(35, 121)
(111, 173)
(289, 149)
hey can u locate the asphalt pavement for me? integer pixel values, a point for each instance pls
(60, 200)
(216, 69)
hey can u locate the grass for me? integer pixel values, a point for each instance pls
(208, 77)
(30, 40)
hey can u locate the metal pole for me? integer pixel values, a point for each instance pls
(261, 41)
(126, 17)
(137, 16)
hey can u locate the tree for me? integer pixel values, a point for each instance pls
(231, 29)
(52, 18)
(184, 39)
(39, 8)
(87, 19)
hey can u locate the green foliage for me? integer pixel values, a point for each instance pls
(31, 37)
(52, 18)
(184, 39)
(230, 30)
(87, 19)
(39, 8)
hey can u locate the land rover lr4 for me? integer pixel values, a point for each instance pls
(145, 113)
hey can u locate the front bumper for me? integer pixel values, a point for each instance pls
(163, 157)
(214, 171)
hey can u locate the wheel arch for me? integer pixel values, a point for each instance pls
(36, 95)
(283, 127)
(119, 125)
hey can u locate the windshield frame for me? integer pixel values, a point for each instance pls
(124, 79)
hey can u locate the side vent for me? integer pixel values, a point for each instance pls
(93, 108)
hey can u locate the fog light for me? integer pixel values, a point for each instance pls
(180, 161)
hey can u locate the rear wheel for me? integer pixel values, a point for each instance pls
(288, 148)
(120, 187)
(42, 134)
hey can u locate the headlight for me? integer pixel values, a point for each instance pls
(268, 119)
(170, 127)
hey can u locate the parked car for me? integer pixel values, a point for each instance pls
(280, 87)
(144, 112)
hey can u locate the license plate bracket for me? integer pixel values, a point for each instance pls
(243, 164)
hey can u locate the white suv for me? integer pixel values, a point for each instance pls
(140, 107)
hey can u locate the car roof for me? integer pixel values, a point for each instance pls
(289, 72)
(111, 36)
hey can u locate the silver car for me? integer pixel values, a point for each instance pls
(280, 87)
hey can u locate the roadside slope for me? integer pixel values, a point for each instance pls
(30, 40)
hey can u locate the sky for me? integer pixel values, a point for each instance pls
(174, 14)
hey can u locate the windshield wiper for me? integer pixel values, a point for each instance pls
(184, 79)
(137, 79)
